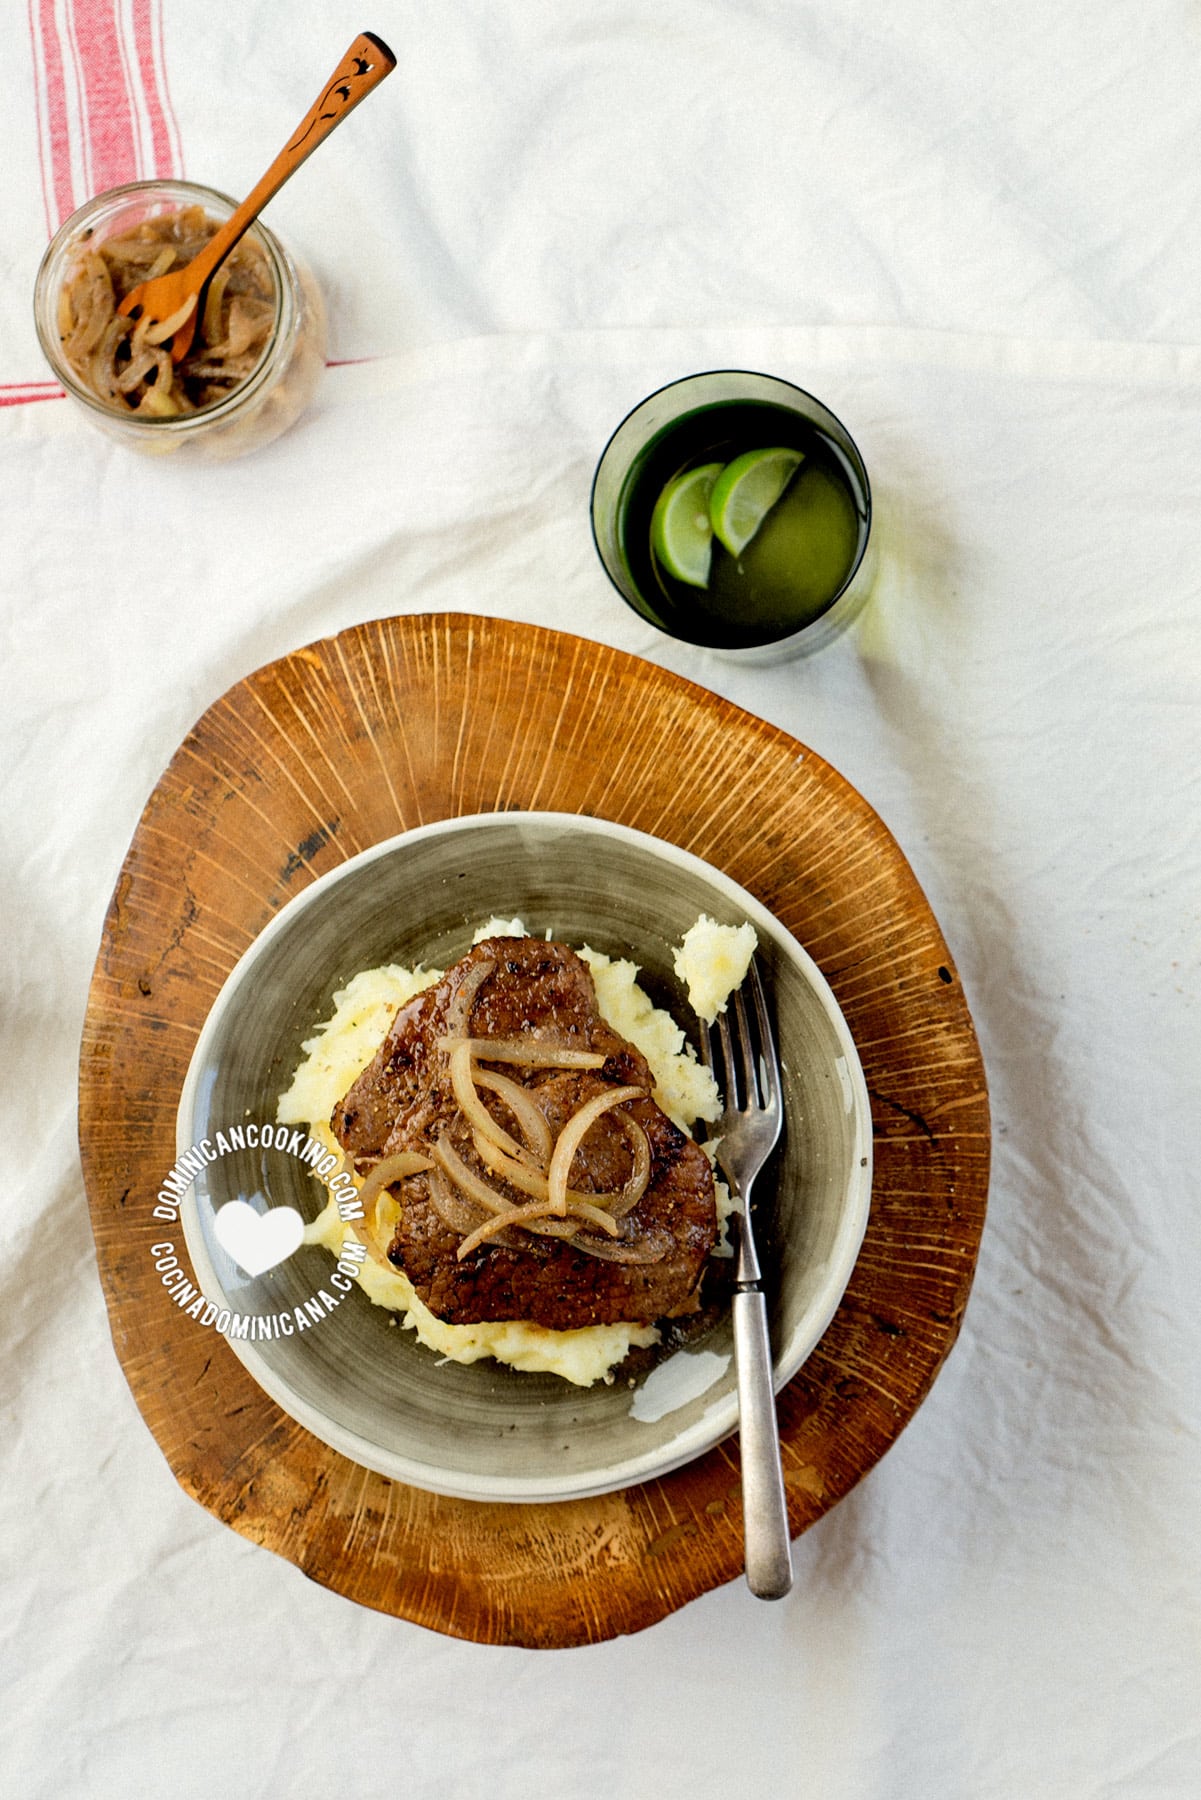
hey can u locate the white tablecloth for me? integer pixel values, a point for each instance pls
(973, 230)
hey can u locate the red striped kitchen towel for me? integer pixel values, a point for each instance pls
(100, 112)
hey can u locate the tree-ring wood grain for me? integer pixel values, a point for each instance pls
(397, 723)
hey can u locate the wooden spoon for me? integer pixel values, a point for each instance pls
(173, 300)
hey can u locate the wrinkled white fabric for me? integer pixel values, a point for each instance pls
(972, 231)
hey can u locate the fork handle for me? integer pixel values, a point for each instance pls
(363, 67)
(768, 1547)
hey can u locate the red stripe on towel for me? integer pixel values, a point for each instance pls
(104, 111)
(164, 131)
(23, 393)
(54, 139)
(107, 104)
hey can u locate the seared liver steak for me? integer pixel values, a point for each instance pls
(540, 992)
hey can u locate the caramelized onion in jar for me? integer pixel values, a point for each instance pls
(259, 344)
(124, 361)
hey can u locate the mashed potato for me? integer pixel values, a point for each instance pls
(712, 961)
(345, 1043)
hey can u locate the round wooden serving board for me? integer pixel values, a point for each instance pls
(398, 723)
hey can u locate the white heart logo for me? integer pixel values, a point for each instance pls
(258, 1241)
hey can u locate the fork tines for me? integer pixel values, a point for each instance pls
(746, 1072)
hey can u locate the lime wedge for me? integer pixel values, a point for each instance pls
(746, 491)
(681, 535)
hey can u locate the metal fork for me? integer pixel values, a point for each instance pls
(748, 1073)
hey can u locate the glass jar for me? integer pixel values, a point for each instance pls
(263, 405)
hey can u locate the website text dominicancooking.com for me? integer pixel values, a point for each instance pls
(324, 1164)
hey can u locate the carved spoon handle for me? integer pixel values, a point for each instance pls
(365, 65)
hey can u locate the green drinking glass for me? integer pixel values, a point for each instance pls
(733, 511)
